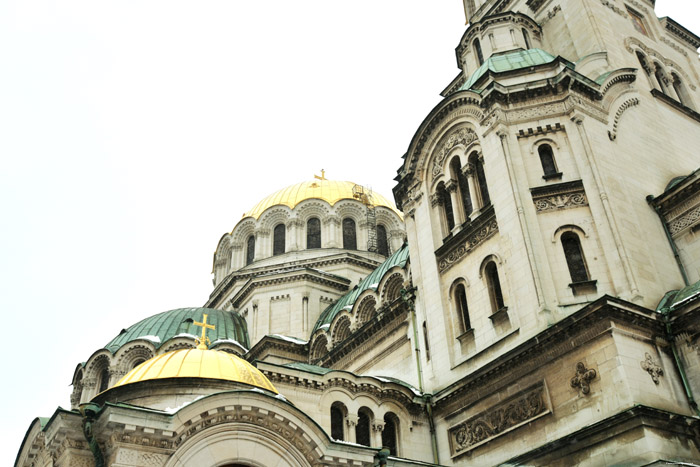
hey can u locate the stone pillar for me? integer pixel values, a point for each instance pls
(377, 428)
(351, 423)
(470, 171)
(457, 212)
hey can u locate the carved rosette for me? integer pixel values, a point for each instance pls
(498, 420)
(582, 379)
(651, 367)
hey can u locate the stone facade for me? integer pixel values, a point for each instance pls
(546, 310)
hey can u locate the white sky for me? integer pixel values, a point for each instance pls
(133, 134)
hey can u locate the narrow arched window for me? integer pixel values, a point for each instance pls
(278, 239)
(478, 52)
(337, 418)
(425, 339)
(390, 433)
(313, 233)
(462, 185)
(574, 257)
(362, 432)
(104, 379)
(547, 161)
(660, 79)
(494, 286)
(382, 241)
(250, 250)
(349, 234)
(481, 179)
(446, 203)
(681, 91)
(460, 296)
(526, 37)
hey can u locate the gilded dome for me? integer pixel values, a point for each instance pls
(197, 363)
(327, 190)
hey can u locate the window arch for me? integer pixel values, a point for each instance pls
(278, 239)
(526, 37)
(575, 261)
(338, 413)
(462, 186)
(313, 233)
(319, 348)
(349, 234)
(382, 241)
(493, 283)
(444, 200)
(250, 250)
(390, 433)
(104, 380)
(362, 429)
(461, 307)
(479, 53)
(549, 167)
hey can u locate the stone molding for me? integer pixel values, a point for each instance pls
(462, 136)
(612, 133)
(513, 413)
(467, 240)
(539, 131)
(559, 196)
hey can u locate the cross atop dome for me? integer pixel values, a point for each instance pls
(204, 340)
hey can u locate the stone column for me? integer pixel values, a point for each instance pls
(351, 423)
(377, 428)
(470, 171)
(457, 212)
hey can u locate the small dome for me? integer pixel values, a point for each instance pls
(197, 363)
(164, 326)
(326, 190)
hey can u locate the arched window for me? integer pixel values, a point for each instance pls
(547, 161)
(574, 257)
(494, 286)
(460, 297)
(137, 362)
(390, 433)
(526, 37)
(382, 241)
(349, 234)
(478, 52)
(104, 380)
(661, 79)
(446, 202)
(338, 411)
(481, 180)
(250, 250)
(362, 429)
(681, 91)
(278, 239)
(313, 233)
(463, 186)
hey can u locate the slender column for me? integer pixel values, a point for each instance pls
(470, 171)
(457, 212)
(351, 423)
(377, 428)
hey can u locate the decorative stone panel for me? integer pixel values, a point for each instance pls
(470, 237)
(515, 412)
(560, 196)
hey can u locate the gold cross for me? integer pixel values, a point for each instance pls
(322, 177)
(204, 339)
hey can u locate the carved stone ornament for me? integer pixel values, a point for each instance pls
(651, 367)
(498, 420)
(684, 217)
(612, 134)
(560, 196)
(582, 379)
(463, 136)
(471, 236)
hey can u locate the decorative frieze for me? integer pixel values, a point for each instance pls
(496, 421)
(651, 367)
(560, 196)
(462, 136)
(539, 131)
(583, 377)
(469, 238)
(684, 216)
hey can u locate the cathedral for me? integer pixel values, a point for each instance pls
(530, 296)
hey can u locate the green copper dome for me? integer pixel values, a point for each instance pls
(164, 326)
(509, 62)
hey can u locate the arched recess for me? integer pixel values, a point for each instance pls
(390, 433)
(319, 348)
(339, 413)
(366, 308)
(130, 355)
(391, 285)
(460, 305)
(490, 271)
(341, 329)
(363, 429)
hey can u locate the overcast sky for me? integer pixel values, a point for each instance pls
(133, 134)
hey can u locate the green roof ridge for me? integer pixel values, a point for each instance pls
(509, 61)
(399, 258)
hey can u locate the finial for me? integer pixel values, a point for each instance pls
(204, 340)
(322, 177)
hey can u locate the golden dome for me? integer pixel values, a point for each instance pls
(327, 190)
(198, 363)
